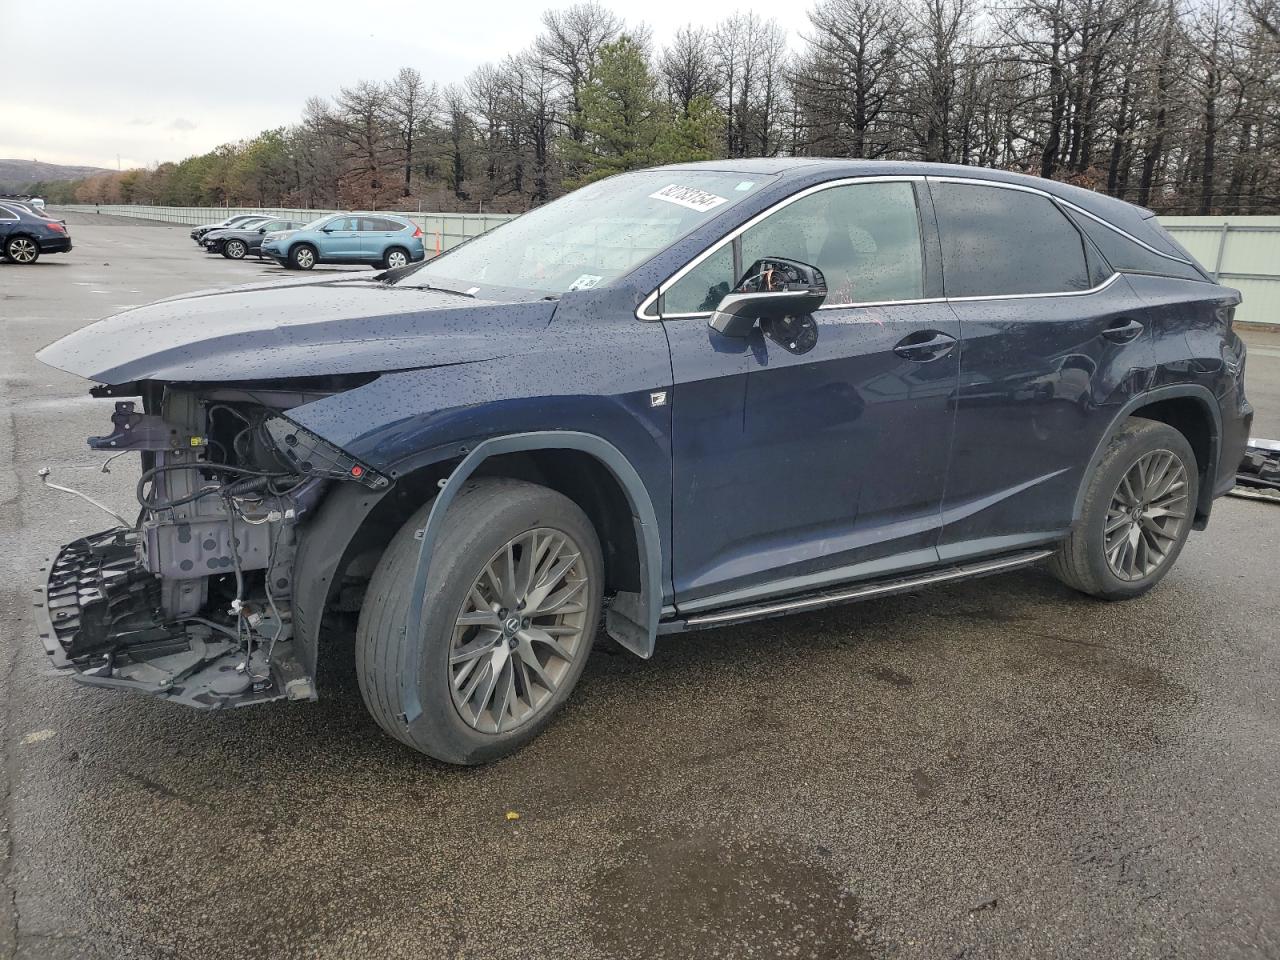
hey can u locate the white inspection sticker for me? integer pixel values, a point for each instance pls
(585, 282)
(689, 197)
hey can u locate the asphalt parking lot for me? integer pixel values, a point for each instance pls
(994, 769)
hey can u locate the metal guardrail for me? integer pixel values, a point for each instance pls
(451, 228)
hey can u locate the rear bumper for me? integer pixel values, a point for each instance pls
(55, 244)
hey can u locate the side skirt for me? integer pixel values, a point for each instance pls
(850, 594)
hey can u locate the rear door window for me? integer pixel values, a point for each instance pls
(1001, 242)
(864, 237)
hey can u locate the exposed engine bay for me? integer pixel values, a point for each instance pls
(192, 602)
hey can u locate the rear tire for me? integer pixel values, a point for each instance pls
(1137, 514)
(234, 249)
(22, 250)
(303, 256)
(471, 639)
(395, 258)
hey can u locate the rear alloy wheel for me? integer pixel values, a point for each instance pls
(512, 601)
(234, 249)
(303, 256)
(1148, 513)
(22, 250)
(395, 259)
(1136, 516)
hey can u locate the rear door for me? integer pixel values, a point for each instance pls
(373, 237)
(818, 456)
(1055, 343)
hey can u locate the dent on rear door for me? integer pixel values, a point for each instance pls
(1040, 384)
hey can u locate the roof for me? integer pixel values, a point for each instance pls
(829, 168)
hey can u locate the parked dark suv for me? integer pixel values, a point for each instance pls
(677, 398)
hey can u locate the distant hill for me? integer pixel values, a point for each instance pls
(19, 173)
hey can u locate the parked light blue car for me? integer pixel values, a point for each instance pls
(380, 239)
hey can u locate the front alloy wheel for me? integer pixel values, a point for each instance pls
(234, 249)
(519, 631)
(512, 601)
(303, 257)
(22, 250)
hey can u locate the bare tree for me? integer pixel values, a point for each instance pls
(849, 75)
(688, 67)
(411, 103)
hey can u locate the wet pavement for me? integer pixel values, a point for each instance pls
(994, 769)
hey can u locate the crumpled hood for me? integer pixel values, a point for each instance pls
(300, 328)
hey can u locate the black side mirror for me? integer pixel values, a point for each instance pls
(774, 288)
(262, 229)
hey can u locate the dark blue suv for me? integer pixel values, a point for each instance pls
(678, 398)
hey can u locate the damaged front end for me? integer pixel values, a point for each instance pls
(192, 603)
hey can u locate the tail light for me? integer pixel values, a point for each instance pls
(56, 227)
(417, 231)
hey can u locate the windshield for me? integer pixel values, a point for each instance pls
(590, 237)
(317, 222)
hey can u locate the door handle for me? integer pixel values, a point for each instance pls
(1123, 330)
(924, 346)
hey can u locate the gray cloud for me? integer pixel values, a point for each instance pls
(182, 123)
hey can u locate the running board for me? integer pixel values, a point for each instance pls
(866, 591)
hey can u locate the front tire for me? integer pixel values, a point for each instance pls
(22, 250)
(513, 600)
(303, 256)
(1137, 514)
(234, 249)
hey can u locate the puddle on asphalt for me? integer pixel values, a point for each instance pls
(708, 894)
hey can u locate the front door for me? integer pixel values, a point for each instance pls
(815, 452)
(341, 239)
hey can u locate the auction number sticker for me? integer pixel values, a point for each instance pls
(689, 197)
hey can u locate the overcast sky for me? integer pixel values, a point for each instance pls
(153, 81)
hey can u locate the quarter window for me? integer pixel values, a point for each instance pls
(864, 237)
(1129, 257)
(998, 242)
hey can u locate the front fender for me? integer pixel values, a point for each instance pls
(634, 623)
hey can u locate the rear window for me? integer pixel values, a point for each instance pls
(999, 242)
